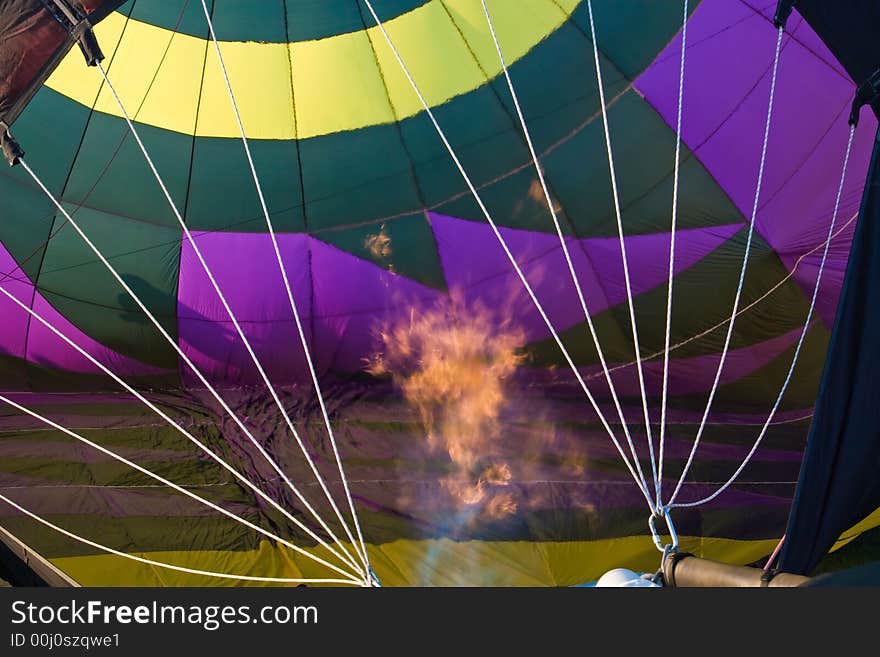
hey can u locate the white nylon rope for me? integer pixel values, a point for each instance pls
(223, 301)
(167, 337)
(182, 569)
(219, 460)
(302, 336)
(174, 486)
(506, 249)
(742, 274)
(563, 244)
(797, 348)
(684, 22)
(744, 309)
(629, 295)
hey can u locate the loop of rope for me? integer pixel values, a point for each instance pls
(663, 513)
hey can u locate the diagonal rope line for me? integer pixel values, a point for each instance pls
(221, 297)
(362, 551)
(161, 564)
(791, 273)
(742, 273)
(797, 350)
(167, 337)
(675, 177)
(564, 244)
(171, 484)
(507, 252)
(186, 434)
(617, 212)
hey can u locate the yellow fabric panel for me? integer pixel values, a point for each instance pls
(260, 80)
(508, 19)
(337, 85)
(857, 530)
(434, 562)
(434, 53)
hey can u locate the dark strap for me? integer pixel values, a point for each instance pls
(783, 11)
(868, 93)
(79, 26)
(12, 152)
(668, 565)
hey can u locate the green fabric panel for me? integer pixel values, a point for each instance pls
(573, 151)
(643, 161)
(363, 175)
(167, 14)
(785, 436)
(409, 247)
(104, 409)
(709, 285)
(13, 371)
(49, 132)
(80, 287)
(649, 25)
(17, 374)
(649, 22)
(319, 19)
(247, 20)
(454, 563)
(111, 473)
(148, 533)
(27, 216)
(135, 534)
(159, 437)
(757, 391)
(110, 158)
(222, 193)
(355, 177)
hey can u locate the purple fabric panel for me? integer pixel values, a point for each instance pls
(353, 300)
(475, 264)
(43, 346)
(686, 375)
(727, 80)
(245, 268)
(14, 324)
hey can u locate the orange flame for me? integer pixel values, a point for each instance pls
(379, 244)
(453, 364)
